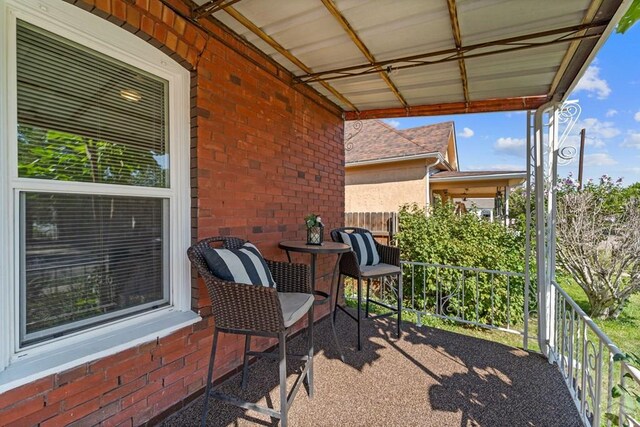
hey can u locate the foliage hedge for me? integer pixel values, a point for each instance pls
(467, 241)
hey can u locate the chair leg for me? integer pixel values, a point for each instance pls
(366, 312)
(245, 367)
(283, 380)
(335, 305)
(310, 354)
(399, 308)
(212, 358)
(359, 313)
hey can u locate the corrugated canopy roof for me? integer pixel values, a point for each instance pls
(390, 58)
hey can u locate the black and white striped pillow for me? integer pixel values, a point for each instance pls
(244, 265)
(364, 247)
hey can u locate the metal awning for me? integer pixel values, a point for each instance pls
(394, 58)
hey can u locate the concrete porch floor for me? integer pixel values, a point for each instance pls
(429, 377)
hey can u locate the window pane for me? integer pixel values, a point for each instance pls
(89, 258)
(85, 117)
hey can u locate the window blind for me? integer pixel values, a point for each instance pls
(89, 258)
(85, 117)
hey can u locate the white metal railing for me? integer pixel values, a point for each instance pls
(585, 356)
(490, 299)
(502, 300)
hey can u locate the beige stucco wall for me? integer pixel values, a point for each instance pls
(383, 188)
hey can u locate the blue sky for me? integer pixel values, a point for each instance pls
(609, 94)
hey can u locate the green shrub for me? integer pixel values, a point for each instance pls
(466, 241)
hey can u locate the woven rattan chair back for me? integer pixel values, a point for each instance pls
(196, 252)
(350, 267)
(335, 233)
(252, 310)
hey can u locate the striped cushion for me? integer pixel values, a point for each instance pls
(364, 247)
(244, 265)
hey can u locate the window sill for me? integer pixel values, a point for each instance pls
(98, 344)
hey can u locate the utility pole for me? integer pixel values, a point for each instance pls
(581, 160)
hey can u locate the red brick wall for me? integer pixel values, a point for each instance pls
(264, 153)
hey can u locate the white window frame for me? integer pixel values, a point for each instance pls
(21, 365)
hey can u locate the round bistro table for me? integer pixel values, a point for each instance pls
(314, 250)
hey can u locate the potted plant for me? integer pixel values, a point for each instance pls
(315, 229)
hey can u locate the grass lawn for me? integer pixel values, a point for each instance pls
(623, 331)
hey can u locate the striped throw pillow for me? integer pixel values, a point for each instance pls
(364, 247)
(244, 265)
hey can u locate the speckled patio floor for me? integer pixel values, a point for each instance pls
(429, 377)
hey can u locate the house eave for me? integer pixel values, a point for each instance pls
(491, 177)
(397, 159)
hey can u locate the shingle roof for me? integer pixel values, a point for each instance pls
(434, 138)
(377, 140)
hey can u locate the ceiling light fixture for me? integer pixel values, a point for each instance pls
(131, 95)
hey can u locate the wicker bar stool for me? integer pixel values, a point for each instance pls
(389, 265)
(261, 311)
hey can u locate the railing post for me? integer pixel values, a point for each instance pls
(622, 414)
(528, 227)
(541, 277)
(598, 396)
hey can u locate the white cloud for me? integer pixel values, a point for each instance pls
(611, 112)
(596, 128)
(511, 146)
(632, 140)
(597, 132)
(392, 123)
(466, 133)
(499, 167)
(574, 141)
(593, 84)
(636, 116)
(599, 159)
(506, 167)
(594, 142)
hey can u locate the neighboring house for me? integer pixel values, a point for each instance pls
(387, 167)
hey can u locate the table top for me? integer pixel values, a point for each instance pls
(325, 248)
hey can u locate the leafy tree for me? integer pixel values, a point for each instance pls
(598, 241)
(630, 17)
(61, 156)
(518, 209)
(98, 283)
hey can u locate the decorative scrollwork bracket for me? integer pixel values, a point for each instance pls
(568, 116)
(355, 129)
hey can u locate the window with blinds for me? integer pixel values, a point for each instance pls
(88, 257)
(85, 117)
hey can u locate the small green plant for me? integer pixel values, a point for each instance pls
(313, 220)
(627, 392)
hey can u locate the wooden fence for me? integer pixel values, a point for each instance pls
(383, 225)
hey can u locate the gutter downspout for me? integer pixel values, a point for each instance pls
(428, 186)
